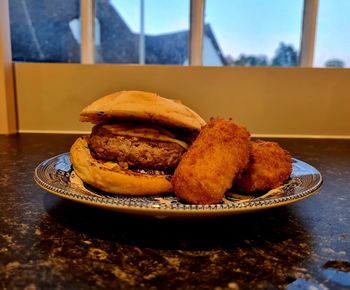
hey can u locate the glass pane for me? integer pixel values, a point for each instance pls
(118, 27)
(42, 31)
(167, 31)
(332, 47)
(164, 39)
(252, 32)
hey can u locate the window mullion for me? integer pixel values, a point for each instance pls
(87, 11)
(196, 32)
(308, 33)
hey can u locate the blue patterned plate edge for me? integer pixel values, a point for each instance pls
(56, 176)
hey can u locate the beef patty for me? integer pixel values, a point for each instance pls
(136, 152)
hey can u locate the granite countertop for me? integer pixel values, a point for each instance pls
(50, 243)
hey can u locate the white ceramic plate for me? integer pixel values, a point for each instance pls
(56, 176)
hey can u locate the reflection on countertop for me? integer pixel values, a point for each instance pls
(50, 243)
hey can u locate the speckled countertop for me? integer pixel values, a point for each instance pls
(50, 243)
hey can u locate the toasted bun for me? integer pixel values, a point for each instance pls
(138, 105)
(109, 177)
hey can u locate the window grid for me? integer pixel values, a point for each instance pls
(196, 32)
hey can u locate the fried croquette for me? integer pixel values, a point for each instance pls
(207, 169)
(269, 167)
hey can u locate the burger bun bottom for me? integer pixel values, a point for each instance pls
(110, 177)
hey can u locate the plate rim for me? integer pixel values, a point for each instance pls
(186, 209)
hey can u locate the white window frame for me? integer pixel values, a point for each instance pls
(196, 32)
(308, 35)
(8, 118)
(87, 12)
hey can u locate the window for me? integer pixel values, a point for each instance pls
(235, 32)
(332, 48)
(41, 30)
(136, 31)
(252, 32)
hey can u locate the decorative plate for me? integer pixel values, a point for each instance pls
(56, 175)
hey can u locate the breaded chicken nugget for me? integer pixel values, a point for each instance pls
(217, 156)
(269, 167)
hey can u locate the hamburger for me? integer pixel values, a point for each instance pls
(137, 141)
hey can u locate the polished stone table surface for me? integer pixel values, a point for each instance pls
(50, 243)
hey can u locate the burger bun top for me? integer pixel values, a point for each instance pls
(142, 106)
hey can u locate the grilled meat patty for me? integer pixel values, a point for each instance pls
(135, 151)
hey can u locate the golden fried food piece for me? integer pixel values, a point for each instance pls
(217, 156)
(269, 167)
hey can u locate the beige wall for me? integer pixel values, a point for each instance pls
(268, 101)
